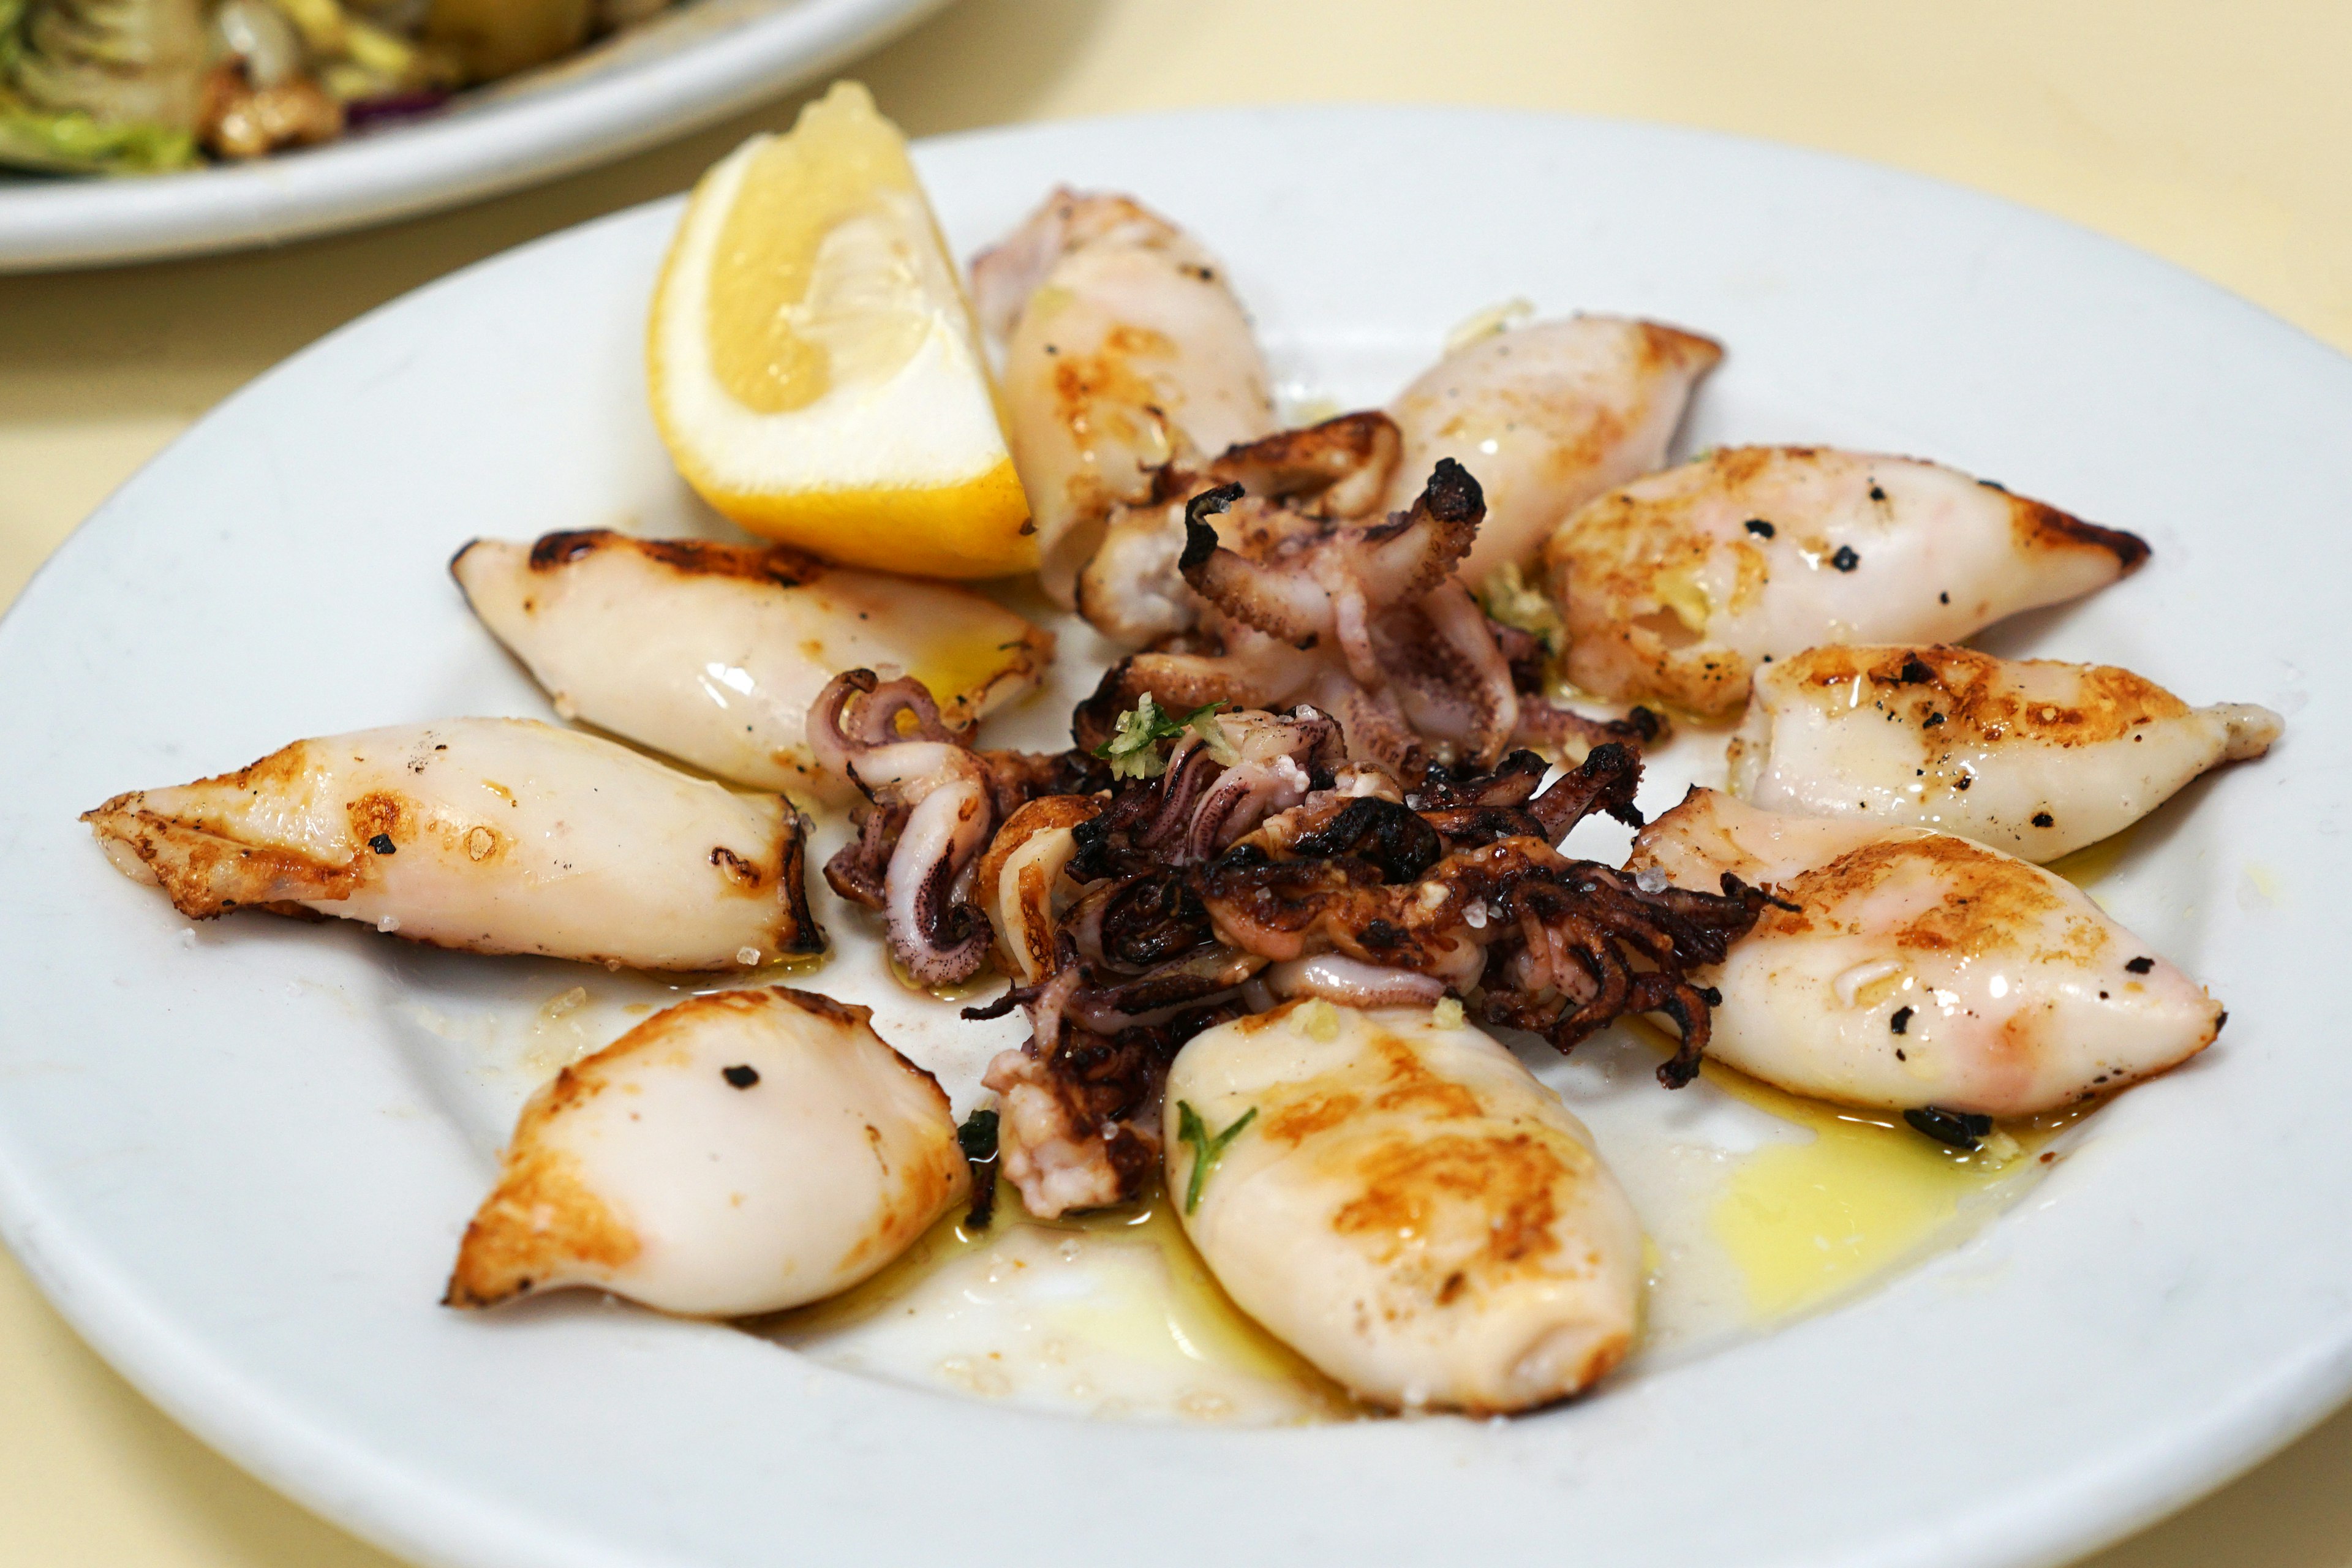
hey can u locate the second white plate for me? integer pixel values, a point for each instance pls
(687, 69)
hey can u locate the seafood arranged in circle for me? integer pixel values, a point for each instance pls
(1278, 939)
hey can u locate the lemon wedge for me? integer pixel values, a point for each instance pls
(813, 365)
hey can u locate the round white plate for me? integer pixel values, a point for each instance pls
(687, 69)
(227, 1159)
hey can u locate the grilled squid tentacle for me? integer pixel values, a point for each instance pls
(932, 805)
(1325, 582)
(936, 937)
(1451, 677)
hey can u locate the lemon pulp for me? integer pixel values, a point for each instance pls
(825, 245)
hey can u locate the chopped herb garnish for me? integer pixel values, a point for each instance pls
(1509, 598)
(1206, 1149)
(1133, 748)
(977, 1138)
(1202, 722)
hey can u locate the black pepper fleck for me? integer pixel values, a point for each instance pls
(1943, 598)
(1845, 560)
(1960, 1129)
(2043, 819)
(741, 1077)
(1966, 780)
(382, 844)
(2140, 965)
(1759, 528)
(1876, 493)
(1900, 1023)
(1916, 671)
(1931, 720)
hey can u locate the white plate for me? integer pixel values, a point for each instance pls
(686, 69)
(224, 1157)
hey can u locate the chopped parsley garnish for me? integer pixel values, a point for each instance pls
(1206, 1149)
(1508, 597)
(1133, 750)
(977, 1136)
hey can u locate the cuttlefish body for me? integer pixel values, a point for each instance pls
(1677, 587)
(1547, 415)
(493, 835)
(2033, 756)
(1918, 970)
(1393, 1195)
(1125, 349)
(739, 1152)
(712, 653)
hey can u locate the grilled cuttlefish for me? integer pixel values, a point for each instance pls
(1124, 349)
(1677, 586)
(1921, 970)
(1394, 1196)
(739, 1152)
(1546, 416)
(712, 653)
(2033, 756)
(493, 835)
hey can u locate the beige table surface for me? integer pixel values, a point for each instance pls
(2217, 135)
